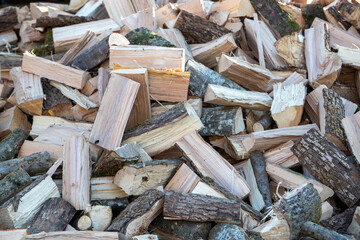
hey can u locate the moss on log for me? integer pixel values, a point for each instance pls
(143, 36)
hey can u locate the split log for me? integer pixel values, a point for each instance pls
(144, 18)
(53, 98)
(201, 76)
(200, 208)
(351, 12)
(201, 154)
(76, 172)
(287, 106)
(18, 211)
(12, 119)
(294, 78)
(227, 231)
(34, 164)
(12, 183)
(354, 227)
(291, 49)
(54, 215)
(30, 34)
(8, 37)
(174, 36)
(254, 77)
(277, 19)
(168, 128)
(14, 234)
(118, 10)
(318, 232)
(351, 125)
(10, 146)
(138, 215)
(103, 188)
(334, 16)
(222, 121)
(264, 123)
(119, 99)
(326, 211)
(197, 29)
(311, 11)
(8, 18)
(232, 97)
(194, 7)
(258, 165)
(349, 57)
(61, 21)
(282, 155)
(54, 71)
(84, 223)
(100, 217)
(143, 36)
(103, 81)
(91, 86)
(135, 179)
(331, 112)
(219, 18)
(276, 228)
(341, 221)
(323, 65)
(328, 164)
(84, 235)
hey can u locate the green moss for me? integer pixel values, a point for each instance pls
(42, 50)
(143, 36)
(49, 37)
(292, 25)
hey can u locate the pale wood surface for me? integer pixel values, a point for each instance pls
(282, 155)
(118, 10)
(30, 147)
(184, 180)
(8, 37)
(351, 125)
(11, 119)
(237, 8)
(70, 235)
(14, 234)
(195, 7)
(291, 49)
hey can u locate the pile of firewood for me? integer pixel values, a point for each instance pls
(188, 119)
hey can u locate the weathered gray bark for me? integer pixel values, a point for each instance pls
(54, 215)
(259, 166)
(12, 183)
(34, 164)
(338, 17)
(223, 231)
(201, 76)
(8, 18)
(117, 205)
(264, 123)
(340, 222)
(329, 165)
(351, 12)
(10, 146)
(61, 21)
(320, 233)
(52, 95)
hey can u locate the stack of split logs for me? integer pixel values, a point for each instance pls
(188, 119)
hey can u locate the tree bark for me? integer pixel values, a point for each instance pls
(259, 166)
(10, 146)
(197, 29)
(338, 17)
(340, 222)
(8, 18)
(311, 11)
(61, 21)
(328, 164)
(227, 231)
(52, 96)
(12, 183)
(351, 12)
(264, 123)
(54, 215)
(34, 164)
(320, 233)
(143, 36)
(117, 205)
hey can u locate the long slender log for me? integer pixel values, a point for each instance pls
(12, 183)
(34, 164)
(10, 146)
(318, 232)
(61, 21)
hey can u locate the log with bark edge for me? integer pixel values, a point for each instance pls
(291, 49)
(138, 215)
(143, 36)
(328, 164)
(311, 11)
(67, 234)
(100, 217)
(34, 164)
(222, 121)
(227, 231)
(8, 18)
(61, 20)
(351, 127)
(282, 155)
(351, 12)
(10, 146)
(340, 221)
(12, 119)
(53, 98)
(13, 183)
(354, 227)
(264, 123)
(103, 81)
(54, 215)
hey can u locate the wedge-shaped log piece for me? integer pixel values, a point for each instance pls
(84, 235)
(222, 121)
(232, 97)
(55, 214)
(243, 144)
(118, 10)
(76, 172)
(13, 183)
(200, 208)
(138, 215)
(169, 127)
(351, 127)
(210, 163)
(10, 146)
(103, 188)
(28, 91)
(251, 76)
(282, 155)
(349, 56)
(14, 234)
(323, 65)
(18, 211)
(54, 71)
(328, 164)
(159, 58)
(294, 78)
(208, 52)
(12, 119)
(237, 8)
(292, 49)
(174, 36)
(59, 134)
(114, 112)
(201, 76)
(276, 228)
(288, 104)
(137, 178)
(351, 12)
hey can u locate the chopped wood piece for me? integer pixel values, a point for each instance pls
(351, 127)
(237, 8)
(287, 106)
(334, 16)
(311, 11)
(14, 234)
(8, 18)
(242, 144)
(282, 155)
(264, 123)
(277, 19)
(10, 146)
(201, 208)
(118, 10)
(61, 21)
(341, 221)
(294, 78)
(326, 211)
(135, 179)
(168, 128)
(292, 49)
(54, 71)
(195, 7)
(323, 66)
(318, 232)
(251, 76)
(328, 164)
(90, 86)
(201, 76)
(200, 154)
(103, 80)
(54, 215)
(103, 188)
(207, 53)
(53, 98)
(276, 228)
(84, 223)
(100, 217)
(114, 112)
(219, 18)
(34, 164)
(175, 37)
(354, 227)
(349, 56)
(138, 215)
(144, 18)
(12, 183)
(143, 36)
(76, 172)
(197, 29)
(12, 119)
(18, 211)
(144, 56)
(83, 235)
(8, 37)
(351, 12)
(232, 97)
